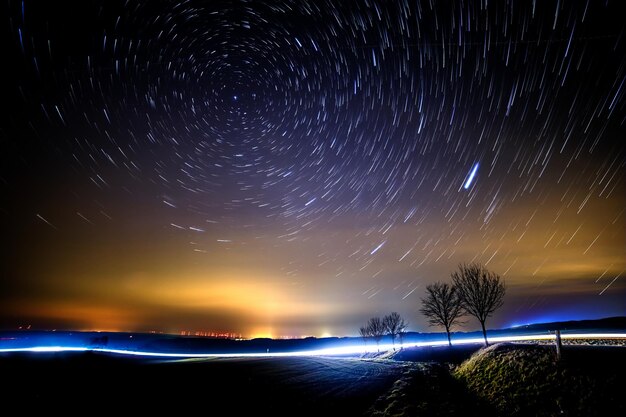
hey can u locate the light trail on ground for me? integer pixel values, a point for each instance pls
(343, 350)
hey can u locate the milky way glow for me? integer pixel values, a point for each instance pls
(292, 168)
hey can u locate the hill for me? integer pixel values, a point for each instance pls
(189, 344)
(515, 380)
(609, 323)
(523, 380)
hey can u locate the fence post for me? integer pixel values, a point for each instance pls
(557, 341)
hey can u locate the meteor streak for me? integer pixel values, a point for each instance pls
(471, 176)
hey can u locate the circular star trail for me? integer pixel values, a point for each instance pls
(293, 167)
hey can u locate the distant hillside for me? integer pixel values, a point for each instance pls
(605, 324)
(609, 323)
(190, 344)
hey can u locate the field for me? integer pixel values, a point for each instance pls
(503, 380)
(274, 386)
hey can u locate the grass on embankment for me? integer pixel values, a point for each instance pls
(513, 380)
(528, 380)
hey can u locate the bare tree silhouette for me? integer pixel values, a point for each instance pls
(442, 306)
(481, 292)
(394, 325)
(376, 329)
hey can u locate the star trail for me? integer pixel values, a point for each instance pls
(290, 168)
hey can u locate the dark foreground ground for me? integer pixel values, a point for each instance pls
(420, 382)
(87, 383)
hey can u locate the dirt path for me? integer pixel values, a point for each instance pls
(428, 389)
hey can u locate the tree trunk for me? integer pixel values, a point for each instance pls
(482, 323)
(449, 340)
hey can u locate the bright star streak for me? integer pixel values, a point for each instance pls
(469, 180)
(378, 247)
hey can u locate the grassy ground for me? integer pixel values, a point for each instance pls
(528, 380)
(511, 380)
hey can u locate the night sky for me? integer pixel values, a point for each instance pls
(292, 168)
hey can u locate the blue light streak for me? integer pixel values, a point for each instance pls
(344, 350)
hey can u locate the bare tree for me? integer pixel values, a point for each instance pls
(480, 291)
(394, 324)
(364, 332)
(376, 329)
(402, 331)
(442, 306)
